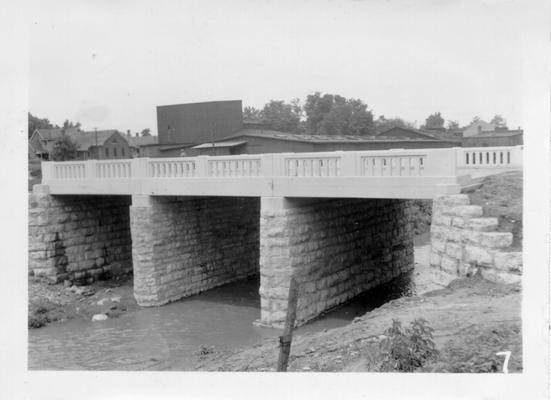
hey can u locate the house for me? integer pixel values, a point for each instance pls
(104, 144)
(41, 142)
(258, 141)
(141, 144)
(476, 128)
(487, 134)
(494, 138)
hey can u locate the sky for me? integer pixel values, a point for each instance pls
(108, 64)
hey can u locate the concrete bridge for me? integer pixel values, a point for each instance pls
(338, 222)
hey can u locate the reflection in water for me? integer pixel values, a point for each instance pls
(168, 337)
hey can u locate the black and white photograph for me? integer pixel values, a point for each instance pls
(279, 195)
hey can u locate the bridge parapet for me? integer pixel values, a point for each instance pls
(411, 173)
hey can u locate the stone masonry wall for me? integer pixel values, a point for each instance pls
(185, 245)
(335, 248)
(463, 242)
(78, 238)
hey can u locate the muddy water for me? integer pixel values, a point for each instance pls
(169, 337)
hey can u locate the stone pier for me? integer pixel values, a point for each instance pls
(335, 248)
(178, 246)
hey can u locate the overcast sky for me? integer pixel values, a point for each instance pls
(108, 64)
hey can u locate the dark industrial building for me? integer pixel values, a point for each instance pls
(258, 141)
(193, 123)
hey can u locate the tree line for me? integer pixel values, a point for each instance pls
(330, 114)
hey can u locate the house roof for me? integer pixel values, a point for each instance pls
(54, 133)
(325, 138)
(85, 140)
(138, 141)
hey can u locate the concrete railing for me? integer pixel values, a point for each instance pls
(388, 163)
(399, 173)
(385, 163)
(489, 157)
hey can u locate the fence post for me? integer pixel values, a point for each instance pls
(202, 166)
(441, 162)
(90, 169)
(139, 168)
(287, 337)
(47, 168)
(348, 163)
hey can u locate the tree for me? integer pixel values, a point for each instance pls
(475, 120)
(146, 132)
(251, 113)
(383, 124)
(335, 115)
(35, 123)
(434, 121)
(64, 149)
(452, 125)
(281, 116)
(499, 121)
(69, 124)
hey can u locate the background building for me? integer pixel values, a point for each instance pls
(104, 144)
(193, 123)
(258, 141)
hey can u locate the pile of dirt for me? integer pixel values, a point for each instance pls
(472, 320)
(58, 302)
(501, 196)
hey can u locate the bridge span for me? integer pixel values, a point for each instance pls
(339, 222)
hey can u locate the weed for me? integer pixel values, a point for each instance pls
(407, 349)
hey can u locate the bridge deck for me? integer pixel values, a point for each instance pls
(413, 173)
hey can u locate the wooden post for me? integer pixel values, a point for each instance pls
(287, 337)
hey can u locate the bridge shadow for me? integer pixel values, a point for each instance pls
(244, 293)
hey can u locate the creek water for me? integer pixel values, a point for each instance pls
(170, 337)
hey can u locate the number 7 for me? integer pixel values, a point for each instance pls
(507, 354)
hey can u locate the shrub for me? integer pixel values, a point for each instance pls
(64, 149)
(407, 349)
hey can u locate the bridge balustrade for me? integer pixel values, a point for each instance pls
(491, 157)
(397, 173)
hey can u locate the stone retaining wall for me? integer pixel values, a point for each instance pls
(78, 238)
(184, 245)
(463, 242)
(336, 249)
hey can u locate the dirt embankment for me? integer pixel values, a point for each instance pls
(501, 196)
(57, 303)
(472, 320)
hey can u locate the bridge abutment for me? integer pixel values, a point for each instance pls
(185, 245)
(464, 242)
(335, 249)
(78, 238)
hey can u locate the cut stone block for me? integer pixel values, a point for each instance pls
(495, 240)
(478, 255)
(466, 211)
(482, 224)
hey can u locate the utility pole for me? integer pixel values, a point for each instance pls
(97, 149)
